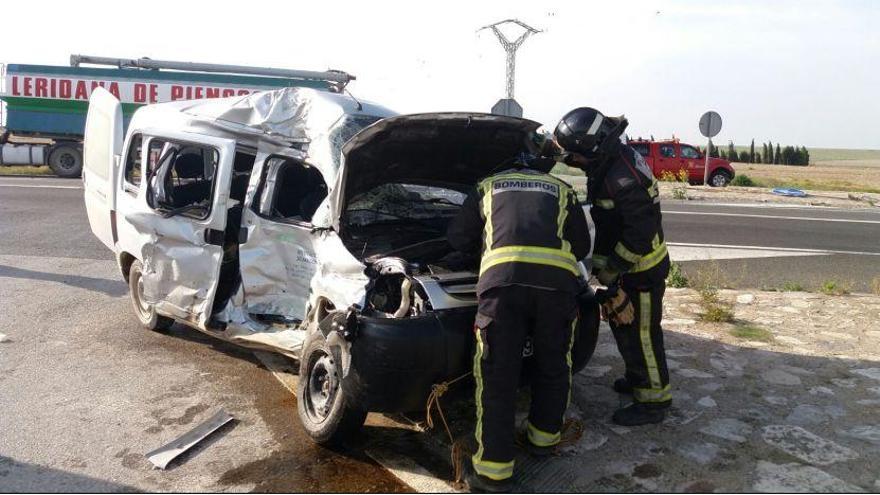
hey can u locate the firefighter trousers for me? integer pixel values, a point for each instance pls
(505, 317)
(641, 345)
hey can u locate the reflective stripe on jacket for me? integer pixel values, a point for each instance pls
(627, 216)
(530, 227)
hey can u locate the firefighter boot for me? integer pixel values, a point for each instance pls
(637, 414)
(482, 484)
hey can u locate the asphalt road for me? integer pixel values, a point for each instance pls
(85, 392)
(813, 244)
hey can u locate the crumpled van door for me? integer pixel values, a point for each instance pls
(183, 255)
(101, 153)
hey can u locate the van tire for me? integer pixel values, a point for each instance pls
(320, 382)
(66, 160)
(720, 178)
(145, 312)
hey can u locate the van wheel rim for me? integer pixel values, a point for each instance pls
(322, 387)
(140, 306)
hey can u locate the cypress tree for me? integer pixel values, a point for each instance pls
(752, 152)
(769, 156)
(763, 153)
(806, 156)
(731, 152)
(777, 159)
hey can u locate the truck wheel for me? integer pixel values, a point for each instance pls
(66, 160)
(144, 311)
(321, 398)
(720, 178)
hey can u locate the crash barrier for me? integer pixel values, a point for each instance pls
(571, 432)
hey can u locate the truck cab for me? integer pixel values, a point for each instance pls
(672, 157)
(309, 224)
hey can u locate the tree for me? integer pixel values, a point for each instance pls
(763, 153)
(713, 151)
(731, 152)
(777, 159)
(769, 155)
(752, 152)
(758, 156)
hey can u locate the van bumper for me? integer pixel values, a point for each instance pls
(395, 361)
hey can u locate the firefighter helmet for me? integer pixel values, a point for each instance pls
(584, 130)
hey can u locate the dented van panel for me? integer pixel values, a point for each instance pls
(306, 223)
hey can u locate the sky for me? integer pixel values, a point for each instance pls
(795, 72)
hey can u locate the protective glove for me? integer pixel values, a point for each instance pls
(617, 307)
(608, 277)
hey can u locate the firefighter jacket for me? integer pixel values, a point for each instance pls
(531, 228)
(626, 213)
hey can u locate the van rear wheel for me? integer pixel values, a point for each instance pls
(144, 311)
(321, 399)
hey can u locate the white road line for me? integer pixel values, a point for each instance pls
(408, 471)
(772, 248)
(401, 467)
(280, 369)
(774, 217)
(43, 186)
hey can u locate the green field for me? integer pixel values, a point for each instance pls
(828, 154)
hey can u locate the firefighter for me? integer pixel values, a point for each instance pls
(532, 232)
(630, 255)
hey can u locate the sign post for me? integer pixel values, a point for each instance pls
(710, 126)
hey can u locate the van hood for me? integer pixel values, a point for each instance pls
(454, 150)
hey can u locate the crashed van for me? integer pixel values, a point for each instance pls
(306, 223)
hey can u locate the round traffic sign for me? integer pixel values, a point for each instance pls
(710, 124)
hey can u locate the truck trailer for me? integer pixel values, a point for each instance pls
(43, 109)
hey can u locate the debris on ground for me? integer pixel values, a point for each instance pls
(162, 456)
(788, 191)
(4, 338)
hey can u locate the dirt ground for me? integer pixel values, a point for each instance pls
(838, 174)
(794, 412)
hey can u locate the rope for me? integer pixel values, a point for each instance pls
(457, 452)
(571, 432)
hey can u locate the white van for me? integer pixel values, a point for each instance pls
(306, 223)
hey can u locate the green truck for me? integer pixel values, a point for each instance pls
(43, 109)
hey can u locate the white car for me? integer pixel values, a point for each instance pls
(306, 223)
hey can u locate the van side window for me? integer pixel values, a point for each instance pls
(667, 151)
(291, 190)
(181, 177)
(133, 162)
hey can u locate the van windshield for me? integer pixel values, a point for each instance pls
(345, 129)
(395, 201)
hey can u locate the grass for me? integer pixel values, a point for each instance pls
(707, 282)
(875, 286)
(792, 287)
(676, 278)
(751, 332)
(742, 180)
(25, 170)
(834, 288)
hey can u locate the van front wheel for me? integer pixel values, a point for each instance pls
(321, 397)
(144, 311)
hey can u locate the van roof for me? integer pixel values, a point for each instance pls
(288, 115)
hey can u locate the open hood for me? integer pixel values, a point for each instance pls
(455, 150)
